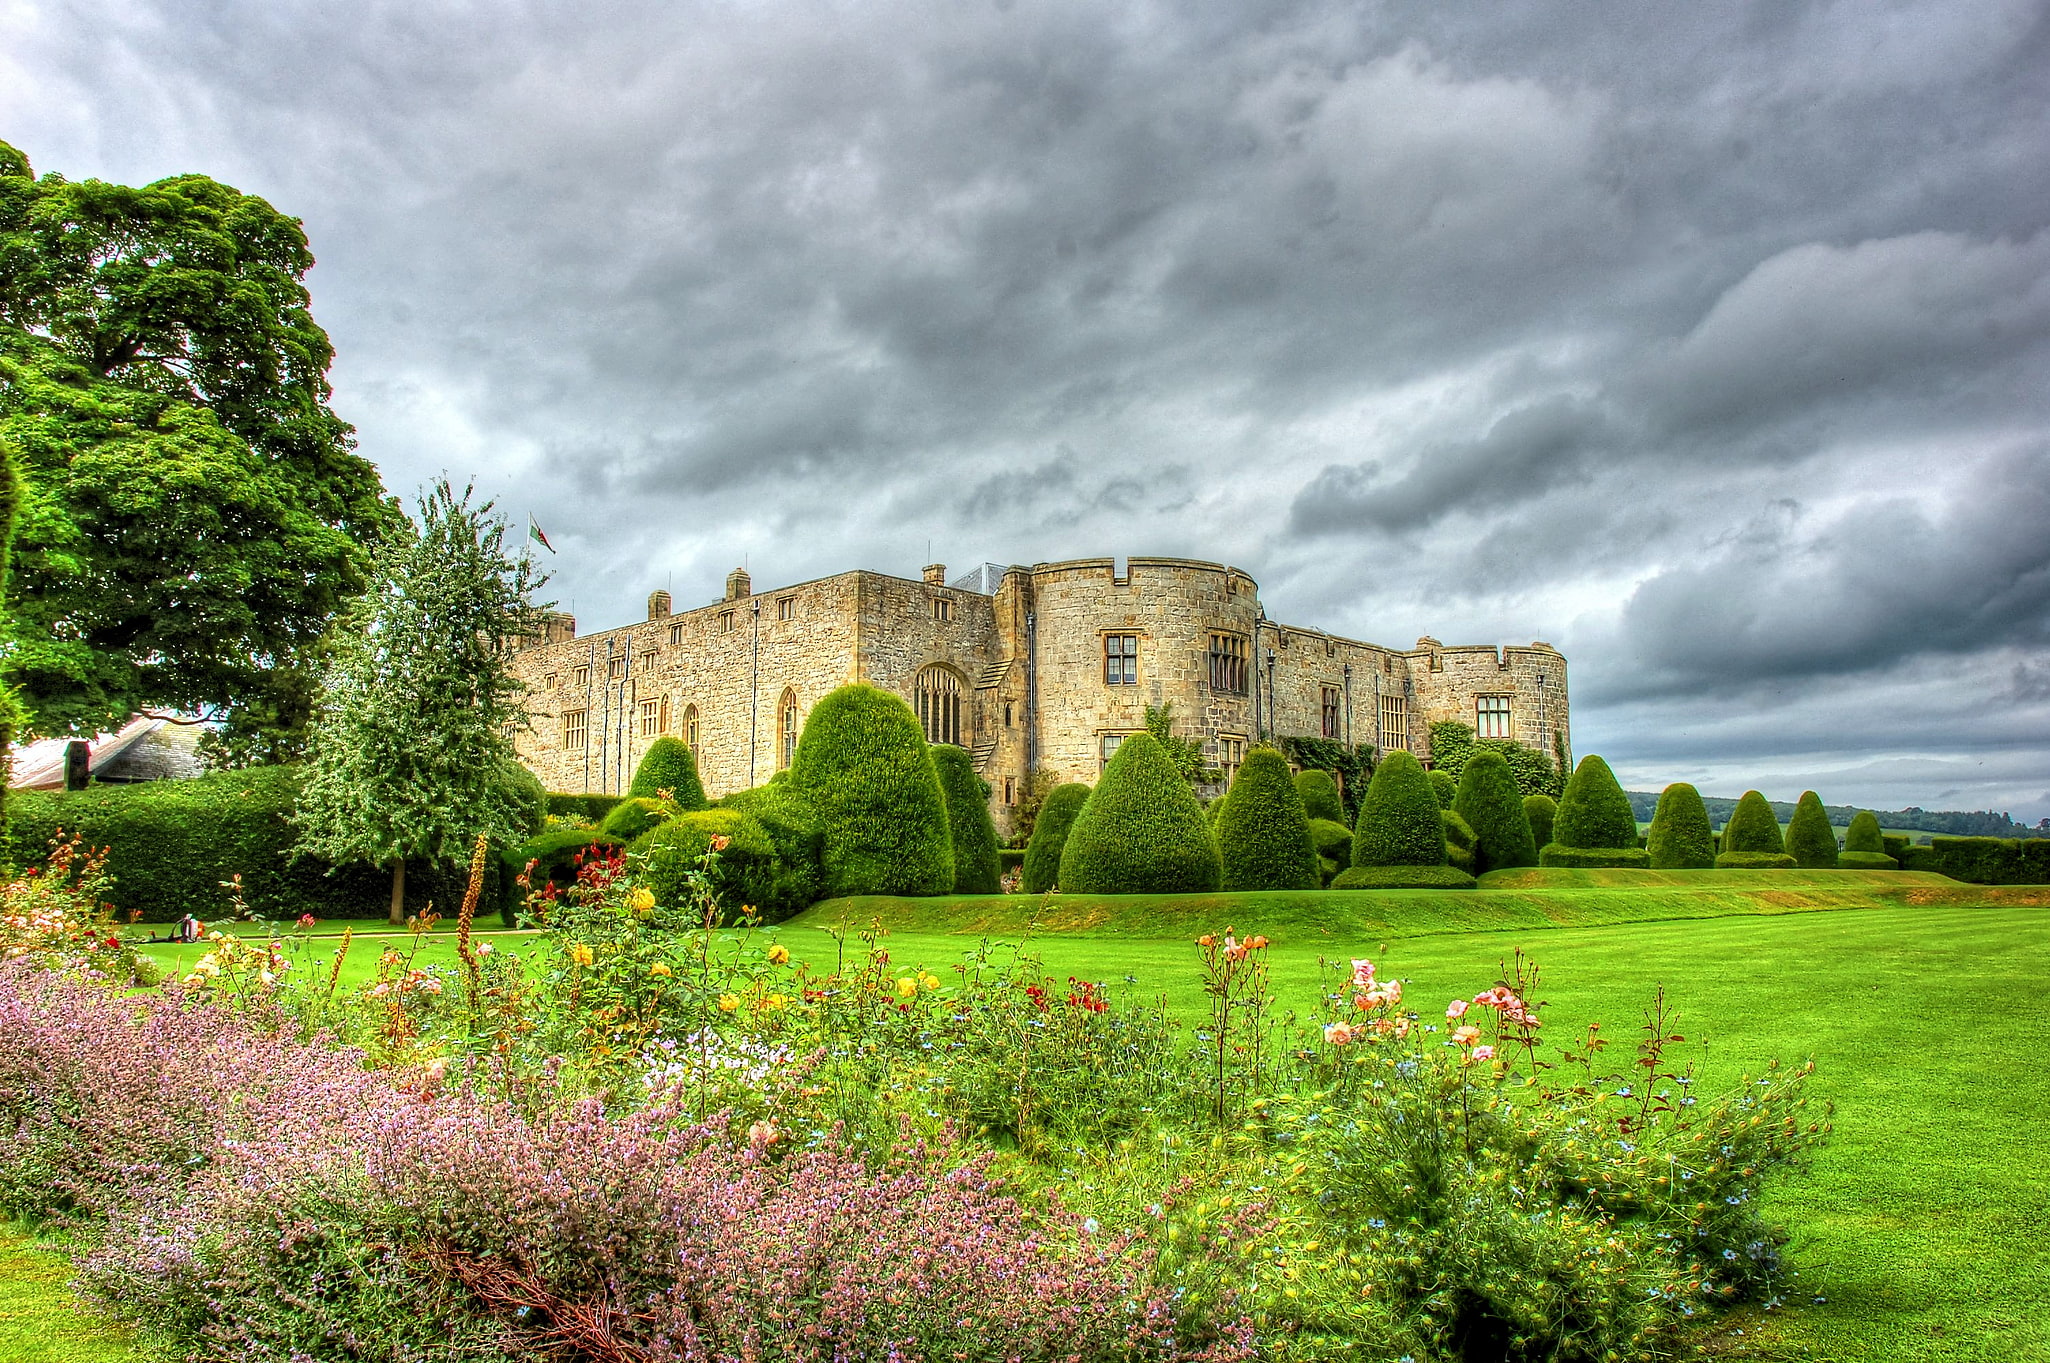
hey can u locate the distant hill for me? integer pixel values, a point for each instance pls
(1978, 823)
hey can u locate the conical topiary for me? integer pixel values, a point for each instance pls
(1042, 870)
(1141, 830)
(1493, 807)
(1753, 828)
(1541, 810)
(669, 765)
(1320, 795)
(1680, 837)
(1811, 841)
(863, 765)
(977, 868)
(1596, 826)
(1459, 841)
(1263, 832)
(1863, 835)
(1445, 788)
(1399, 823)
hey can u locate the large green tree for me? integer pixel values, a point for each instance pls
(193, 514)
(410, 755)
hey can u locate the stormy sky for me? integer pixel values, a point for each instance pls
(1709, 342)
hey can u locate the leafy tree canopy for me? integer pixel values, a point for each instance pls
(193, 513)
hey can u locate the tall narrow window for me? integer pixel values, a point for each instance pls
(665, 714)
(726, 622)
(574, 730)
(786, 608)
(1228, 664)
(942, 609)
(580, 675)
(1231, 755)
(1010, 790)
(1394, 723)
(786, 729)
(690, 727)
(646, 662)
(1491, 717)
(650, 714)
(548, 682)
(1330, 710)
(675, 635)
(1120, 660)
(939, 704)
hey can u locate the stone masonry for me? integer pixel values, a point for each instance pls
(1043, 668)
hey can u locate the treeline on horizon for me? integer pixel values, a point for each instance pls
(1957, 823)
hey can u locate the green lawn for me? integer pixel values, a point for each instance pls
(39, 1322)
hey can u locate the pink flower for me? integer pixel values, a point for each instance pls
(1466, 1036)
(1484, 1052)
(1337, 1033)
(1456, 1009)
(307, 920)
(1363, 974)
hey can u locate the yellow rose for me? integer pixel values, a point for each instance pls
(729, 1002)
(906, 987)
(931, 982)
(659, 968)
(642, 899)
(580, 953)
(774, 1003)
(779, 954)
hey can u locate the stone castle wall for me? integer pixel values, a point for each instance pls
(1028, 663)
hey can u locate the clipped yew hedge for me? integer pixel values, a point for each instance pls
(1984, 861)
(1541, 810)
(1403, 878)
(635, 815)
(1263, 831)
(1320, 795)
(1141, 831)
(863, 764)
(969, 827)
(1811, 840)
(1865, 845)
(1459, 841)
(1596, 826)
(1681, 838)
(1050, 837)
(1755, 861)
(1400, 821)
(670, 765)
(1492, 806)
(588, 807)
(1753, 827)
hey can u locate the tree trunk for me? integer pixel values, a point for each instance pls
(398, 891)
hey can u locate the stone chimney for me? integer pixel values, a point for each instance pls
(935, 574)
(738, 585)
(658, 606)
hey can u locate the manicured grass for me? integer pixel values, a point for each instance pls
(39, 1322)
(1920, 1222)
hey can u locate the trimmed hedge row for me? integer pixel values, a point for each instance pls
(1459, 841)
(171, 844)
(592, 808)
(1755, 861)
(1542, 811)
(1984, 861)
(1595, 858)
(1866, 861)
(1403, 878)
(635, 815)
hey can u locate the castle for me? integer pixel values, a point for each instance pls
(1045, 668)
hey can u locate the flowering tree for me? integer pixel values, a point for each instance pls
(410, 754)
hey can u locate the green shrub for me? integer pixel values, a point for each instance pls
(1263, 833)
(749, 874)
(1863, 835)
(1452, 743)
(1984, 861)
(635, 815)
(1445, 788)
(1541, 810)
(1866, 861)
(1811, 841)
(1010, 859)
(1594, 813)
(863, 764)
(1332, 840)
(588, 807)
(793, 826)
(1050, 836)
(1680, 838)
(1459, 841)
(1399, 823)
(670, 765)
(1492, 806)
(1140, 831)
(1895, 845)
(1402, 878)
(1755, 861)
(1328, 869)
(1753, 827)
(973, 834)
(556, 854)
(1594, 858)
(1320, 795)
(171, 844)
(531, 796)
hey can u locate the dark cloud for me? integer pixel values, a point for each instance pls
(1710, 345)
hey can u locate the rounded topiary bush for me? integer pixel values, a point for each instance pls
(862, 763)
(1492, 806)
(1445, 788)
(1459, 841)
(1403, 878)
(1320, 794)
(669, 765)
(1332, 839)
(531, 797)
(1594, 812)
(1042, 871)
(974, 835)
(1864, 834)
(1399, 823)
(750, 873)
(1263, 832)
(1541, 810)
(1811, 840)
(635, 815)
(1680, 838)
(1753, 827)
(1141, 830)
